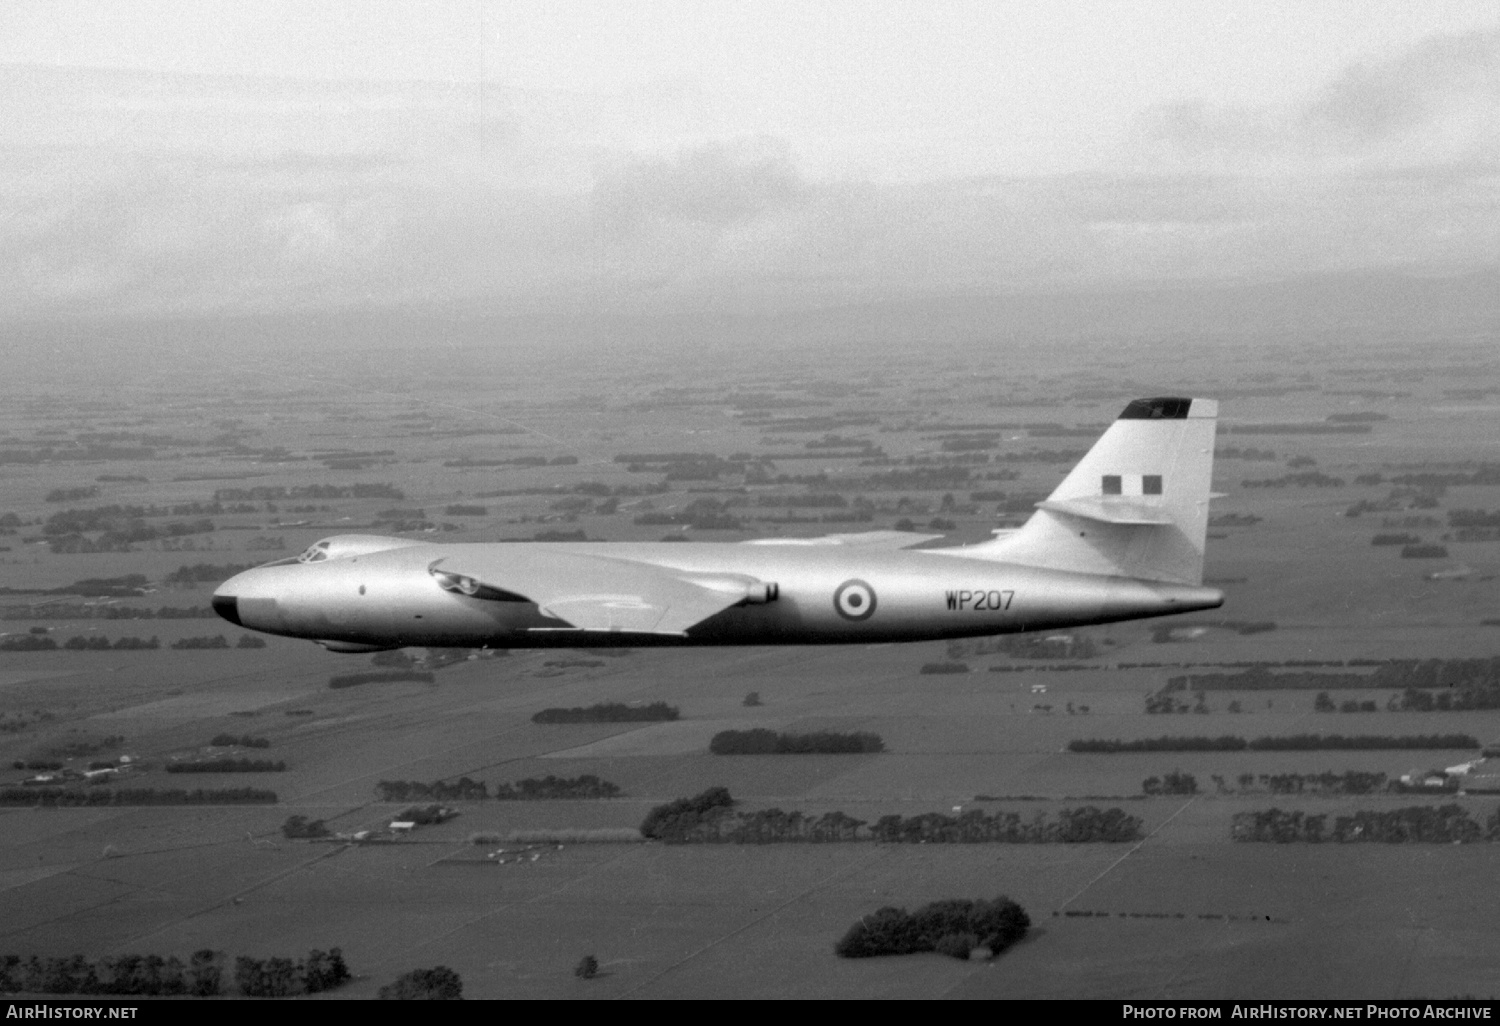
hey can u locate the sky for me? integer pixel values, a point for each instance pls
(162, 158)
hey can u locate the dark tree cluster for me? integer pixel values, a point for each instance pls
(1476, 517)
(240, 741)
(425, 815)
(609, 712)
(1175, 782)
(72, 494)
(201, 573)
(930, 668)
(350, 680)
(436, 984)
(282, 977)
(1100, 746)
(760, 741)
(280, 493)
(121, 975)
(1291, 743)
(553, 788)
(1305, 479)
(954, 927)
(85, 611)
(99, 643)
(1349, 782)
(710, 818)
(227, 766)
(462, 789)
(684, 813)
(217, 641)
(1072, 826)
(68, 797)
(1450, 674)
(1417, 824)
(301, 827)
(1325, 703)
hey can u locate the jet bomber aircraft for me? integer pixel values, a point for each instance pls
(1121, 538)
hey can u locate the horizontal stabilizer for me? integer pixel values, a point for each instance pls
(1107, 511)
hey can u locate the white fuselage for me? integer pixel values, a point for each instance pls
(823, 594)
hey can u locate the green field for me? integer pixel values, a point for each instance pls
(1189, 913)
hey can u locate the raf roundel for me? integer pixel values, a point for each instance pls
(854, 600)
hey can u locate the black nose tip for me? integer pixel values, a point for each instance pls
(228, 607)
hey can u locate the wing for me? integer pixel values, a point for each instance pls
(862, 539)
(596, 593)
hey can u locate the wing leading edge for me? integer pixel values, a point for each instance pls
(591, 593)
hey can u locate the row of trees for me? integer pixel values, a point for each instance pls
(154, 976)
(1072, 826)
(1289, 743)
(1175, 782)
(69, 797)
(436, 984)
(282, 977)
(710, 818)
(1325, 703)
(99, 643)
(1417, 824)
(227, 766)
(1349, 782)
(954, 927)
(609, 712)
(276, 493)
(761, 741)
(240, 741)
(350, 680)
(1433, 674)
(88, 611)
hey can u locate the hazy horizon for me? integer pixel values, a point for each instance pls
(163, 161)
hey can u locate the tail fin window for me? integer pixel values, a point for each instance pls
(1112, 484)
(1151, 484)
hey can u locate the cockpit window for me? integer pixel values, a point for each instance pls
(284, 561)
(315, 553)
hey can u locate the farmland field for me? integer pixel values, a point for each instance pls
(236, 464)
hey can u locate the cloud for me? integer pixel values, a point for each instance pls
(131, 193)
(1432, 104)
(716, 185)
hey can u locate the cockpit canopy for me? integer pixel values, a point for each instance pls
(341, 545)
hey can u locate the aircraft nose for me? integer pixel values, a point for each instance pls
(227, 606)
(248, 599)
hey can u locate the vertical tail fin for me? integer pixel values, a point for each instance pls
(1136, 505)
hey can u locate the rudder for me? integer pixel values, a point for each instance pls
(1135, 506)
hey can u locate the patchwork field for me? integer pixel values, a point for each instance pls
(179, 475)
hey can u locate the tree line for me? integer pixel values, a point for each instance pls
(609, 712)
(154, 976)
(546, 788)
(710, 818)
(69, 797)
(86, 611)
(954, 927)
(227, 766)
(349, 680)
(1290, 743)
(760, 741)
(1417, 824)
